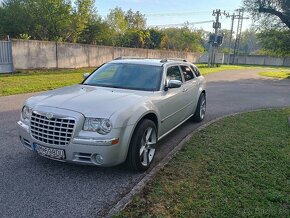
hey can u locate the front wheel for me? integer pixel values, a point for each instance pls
(200, 109)
(142, 146)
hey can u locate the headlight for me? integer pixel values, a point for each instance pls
(26, 113)
(100, 125)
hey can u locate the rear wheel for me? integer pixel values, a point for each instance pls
(200, 109)
(142, 146)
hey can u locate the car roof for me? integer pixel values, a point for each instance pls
(148, 61)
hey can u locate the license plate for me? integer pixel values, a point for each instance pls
(50, 152)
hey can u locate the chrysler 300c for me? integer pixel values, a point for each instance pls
(117, 114)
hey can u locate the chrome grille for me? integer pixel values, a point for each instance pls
(54, 131)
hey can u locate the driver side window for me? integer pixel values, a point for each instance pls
(173, 73)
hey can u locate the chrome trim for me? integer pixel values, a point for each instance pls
(57, 131)
(93, 141)
(23, 125)
(54, 115)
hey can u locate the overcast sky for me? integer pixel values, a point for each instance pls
(176, 11)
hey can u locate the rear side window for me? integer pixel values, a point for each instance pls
(187, 73)
(195, 70)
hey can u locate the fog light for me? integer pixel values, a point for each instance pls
(99, 159)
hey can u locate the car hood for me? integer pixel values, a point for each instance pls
(88, 100)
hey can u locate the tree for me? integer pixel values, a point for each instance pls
(51, 19)
(275, 8)
(135, 20)
(97, 32)
(14, 18)
(117, 20)
(84, 14)
(155, 39)
(182, 39)
(134, 38)
(275, 43)
(249, 42)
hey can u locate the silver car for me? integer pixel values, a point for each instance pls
(117, 114)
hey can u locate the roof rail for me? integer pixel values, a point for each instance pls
(128, 57)
(172, 59)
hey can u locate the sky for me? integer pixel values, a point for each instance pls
(169, 12)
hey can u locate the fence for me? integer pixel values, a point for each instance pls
(33, 54)
(249, 60)
(6, 60)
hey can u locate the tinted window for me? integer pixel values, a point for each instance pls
(187, 73)
(173, 73)
(127, 76)
(195, 70)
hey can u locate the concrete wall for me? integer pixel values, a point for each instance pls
(33, 54)
(260, 60)
(251, 60)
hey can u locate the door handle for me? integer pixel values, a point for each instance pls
(184, 90)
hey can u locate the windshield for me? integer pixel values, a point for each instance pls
(127, 76)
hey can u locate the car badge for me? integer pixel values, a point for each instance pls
(49, 116)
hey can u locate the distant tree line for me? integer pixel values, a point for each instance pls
(79, 22)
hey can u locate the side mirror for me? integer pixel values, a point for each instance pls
(86, 75)
(173, 84)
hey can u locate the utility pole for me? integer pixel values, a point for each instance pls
(213, 43)
(238, 34)
(233, 16)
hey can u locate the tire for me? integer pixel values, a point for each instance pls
(142, 146)
(200, 109)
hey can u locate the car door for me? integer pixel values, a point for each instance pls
(172, 105)
(190, 88)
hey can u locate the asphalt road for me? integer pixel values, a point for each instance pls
(32, 186)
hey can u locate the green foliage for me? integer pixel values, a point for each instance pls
(183, 39)
(270, 13)
(237, 167)
(97, 32)
(24, 36)
(117, 20)
(275, 43)
(156, 37)
(135, 20)
(134, 38)
(279, 74)
(46, 19)
(78, 21)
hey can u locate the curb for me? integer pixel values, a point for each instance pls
(127, 199)
(121, 204)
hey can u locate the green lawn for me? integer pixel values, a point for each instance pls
(206, 70)
(39, 80)
(237, 167)
(278, 74)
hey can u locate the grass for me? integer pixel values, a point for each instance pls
(26, 81)
(237, 167)
(278, 74)
(206, 70)
(39, 80)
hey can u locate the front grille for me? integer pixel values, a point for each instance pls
(54, 131)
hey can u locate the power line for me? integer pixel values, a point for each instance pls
(181, 24)
(176, 13)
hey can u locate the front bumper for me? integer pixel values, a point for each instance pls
(82, 150)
